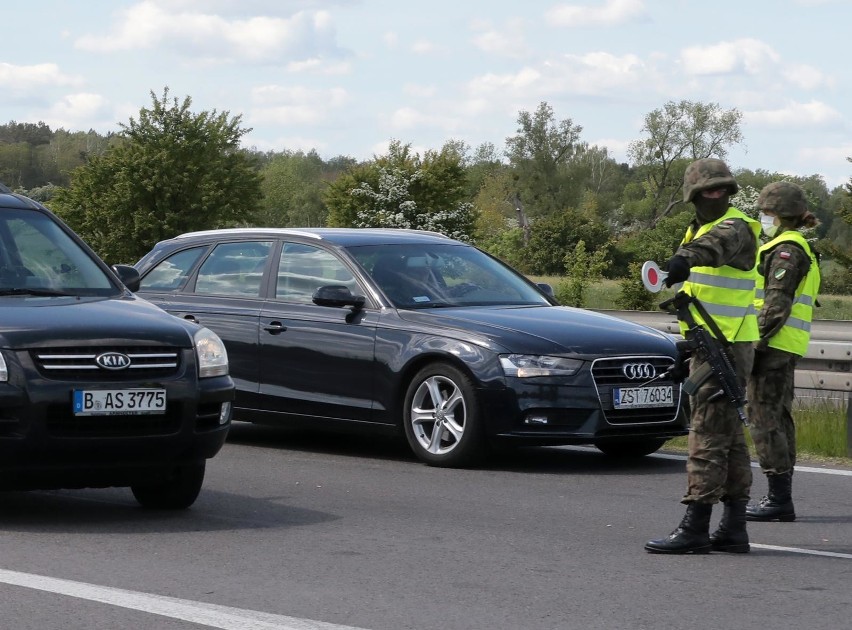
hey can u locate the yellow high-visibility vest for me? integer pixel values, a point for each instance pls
(726, 293)
(796, 332)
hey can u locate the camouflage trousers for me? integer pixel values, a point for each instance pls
(718, 466)
(770, 410)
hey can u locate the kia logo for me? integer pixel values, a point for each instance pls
(636, 371)
(113, 360)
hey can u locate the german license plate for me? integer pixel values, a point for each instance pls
(635, 397)
(113, 402)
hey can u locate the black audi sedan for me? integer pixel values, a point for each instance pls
(406, 331)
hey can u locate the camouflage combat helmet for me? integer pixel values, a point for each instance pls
(705, 174)
(783, 199)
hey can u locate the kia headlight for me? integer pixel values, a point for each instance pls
(528, 365)
(211, 354)
(4, 371)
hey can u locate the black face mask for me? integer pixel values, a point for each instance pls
(708, 210)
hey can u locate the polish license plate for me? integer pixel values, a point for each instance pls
(636, 397)
(113, 402)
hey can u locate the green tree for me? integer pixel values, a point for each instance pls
(632, 294)
(292, 186)
(553, 236)
(402, 190)
(173, 171)
(677, 134)
(838, 248)
(582, 268)
(494, 211)
(538, 154)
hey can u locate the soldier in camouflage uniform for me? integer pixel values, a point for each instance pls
(716, 262)
(789, 271)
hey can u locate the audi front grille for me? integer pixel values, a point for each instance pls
(634, 372)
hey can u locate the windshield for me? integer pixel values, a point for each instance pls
(38, 258)
(421, 275)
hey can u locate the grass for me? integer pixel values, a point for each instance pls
(820, 435)
(603, 294)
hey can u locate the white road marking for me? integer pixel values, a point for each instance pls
(809, 552)
(212, 615)
(810, 469)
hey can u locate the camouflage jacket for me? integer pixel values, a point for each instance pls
(729, 243)
(782, 268)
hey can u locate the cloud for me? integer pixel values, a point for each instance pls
(82, 110)
(406, 118)
(506, 42)
(616, 148)
(748, 56)
(612, 12)
(830, 160)
(424, 47)
(149, 24)
(281, 105)
(31, 80)
(290, 143)
(419, 91)
(238, 7)
(592, 74)
(796, 116)
(807, 77)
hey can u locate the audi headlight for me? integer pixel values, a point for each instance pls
(211, 354)
(527, 365)
(4, 371)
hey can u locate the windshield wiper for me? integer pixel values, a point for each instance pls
(33, 291)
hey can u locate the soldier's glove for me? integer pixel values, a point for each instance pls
(679, 370)
(678, 268)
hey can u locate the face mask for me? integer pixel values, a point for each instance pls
(768, 224)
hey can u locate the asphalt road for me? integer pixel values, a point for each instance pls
(302, 532)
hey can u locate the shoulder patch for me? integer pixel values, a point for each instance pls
(784, 254)
(780, 273)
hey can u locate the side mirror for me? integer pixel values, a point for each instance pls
(128, 275)
(546, 288)
(337, 295)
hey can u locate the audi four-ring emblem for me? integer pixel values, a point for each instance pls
(636, 371)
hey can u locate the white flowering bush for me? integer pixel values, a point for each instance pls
(392, 206)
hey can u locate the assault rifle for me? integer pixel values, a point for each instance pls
(713, 349)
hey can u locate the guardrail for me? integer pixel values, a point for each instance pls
(824, 373)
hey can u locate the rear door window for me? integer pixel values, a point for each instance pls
(234, 269)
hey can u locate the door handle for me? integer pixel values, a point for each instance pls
(274, 328)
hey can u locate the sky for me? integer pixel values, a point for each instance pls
(347, 77)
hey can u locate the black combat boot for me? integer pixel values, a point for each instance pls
(691, 536)
(777, 505)
(731, 535)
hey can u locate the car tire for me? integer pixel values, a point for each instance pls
(177, 492)
(631, 448)
(456, 415)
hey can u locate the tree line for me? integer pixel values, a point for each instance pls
(547, 202)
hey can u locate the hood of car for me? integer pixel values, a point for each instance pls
(31, 322)
(548, 330)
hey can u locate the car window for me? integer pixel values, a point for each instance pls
(302, 269)
(420, 275)
(234, 269)
(172, 273)
(35, 253)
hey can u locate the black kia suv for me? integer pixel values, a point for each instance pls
(99, 387)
